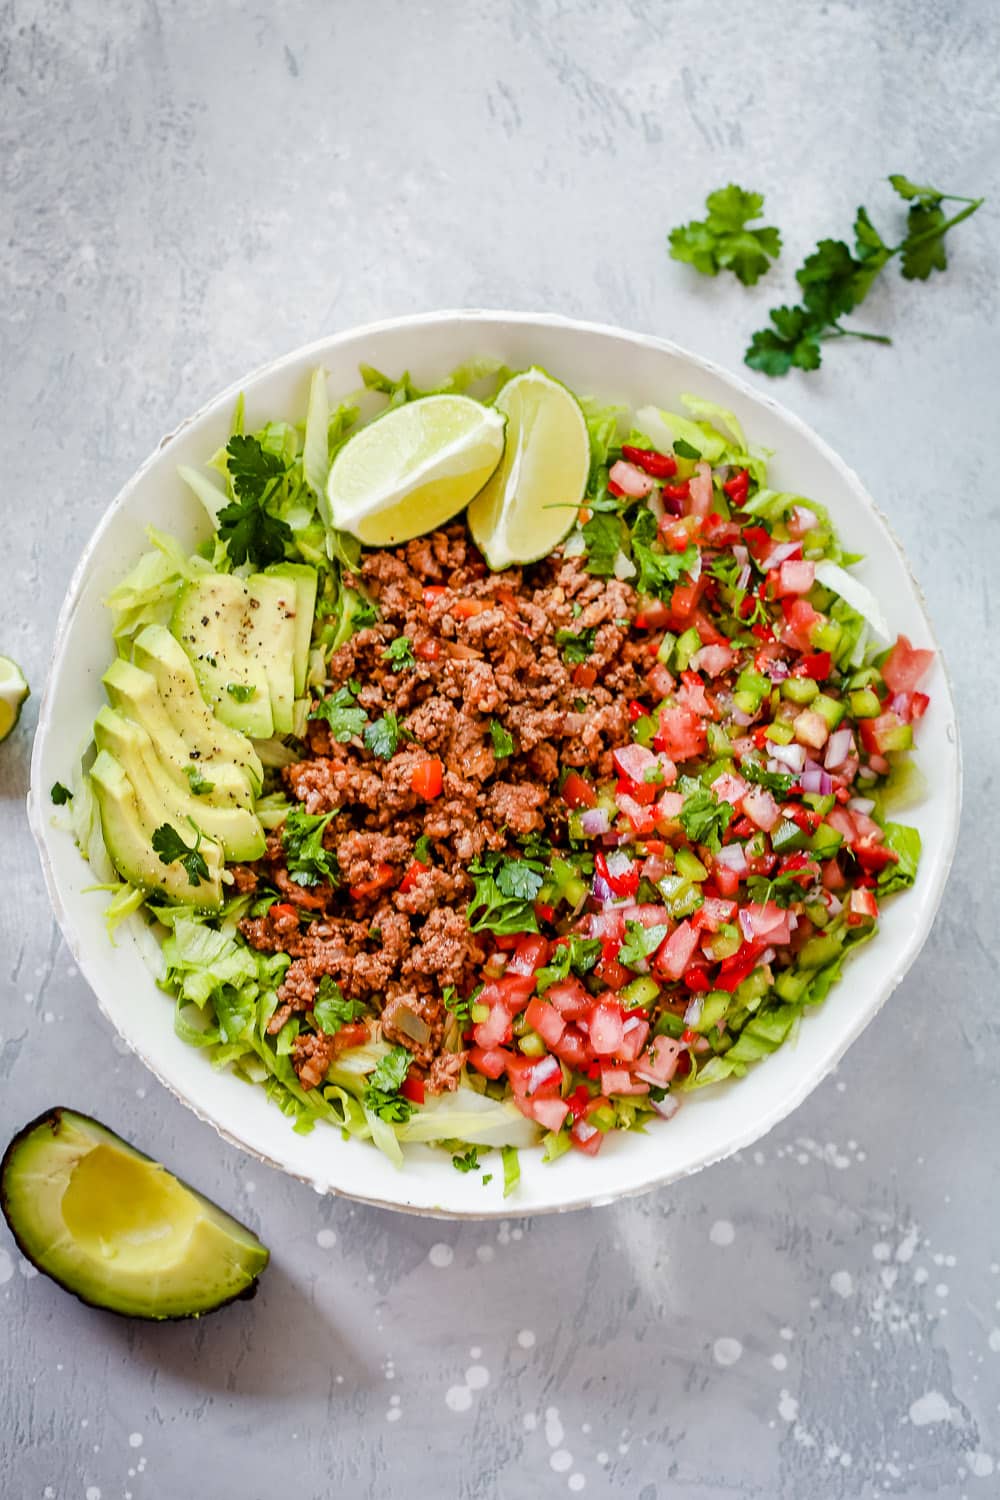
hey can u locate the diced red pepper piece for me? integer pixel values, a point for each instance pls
(412, 1087)
(427, 778)
(411, 875)
(737, 486)
(905, 666)
(817, 665)
(660, 465)
(578, 792)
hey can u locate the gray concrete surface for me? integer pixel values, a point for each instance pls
(190, 188)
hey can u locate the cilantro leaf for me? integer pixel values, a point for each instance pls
(703, 817)
(199, 784)
(504, 893)
(657, 571)
(456, 1004)
(422, 851)
(250, 532)
(640, 942)
(923, 249)
(783, 889)
(753, 770)
(685, 450)
(399, 654)
(576, 647)
(904, 841)
(242, 692)
(382, 737)
(603, 536)
(577, 956)
(341, 712)
(467, 1161)
(503, 740)
(307, 859)
(60, 794)
(792, 340)
(331, 1011)
(723, 240)
(382, 1094)
(171, 848)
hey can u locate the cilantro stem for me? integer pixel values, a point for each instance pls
(935, 233)
(856, 333)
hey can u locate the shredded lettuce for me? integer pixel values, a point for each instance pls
(904, 841)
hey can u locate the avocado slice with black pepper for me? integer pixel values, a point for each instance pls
(117, 1229)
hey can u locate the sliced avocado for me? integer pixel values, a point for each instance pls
(237, 829)
(241, 641)
(118, 1230)
(160, 654)
(128, 825)
(305, 581)
(216, 782)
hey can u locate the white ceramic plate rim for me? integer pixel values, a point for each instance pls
(39, 811)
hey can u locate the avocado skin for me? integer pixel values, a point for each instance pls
(53, 1119)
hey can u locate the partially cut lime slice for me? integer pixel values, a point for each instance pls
(13, 691)
(532, 500)
(414, 468)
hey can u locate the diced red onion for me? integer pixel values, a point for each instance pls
(740, 718)
(693, 1013)
(838, 748)
(780, 554)
(817, 780)
(600, 890)
(805, 519)
(792, 756)
(745, 918)
(743, 576)
(833, 903)
(732, 857)
(619, 864)
(776, 670)
(654, 500)
(861, 804)
(595, 820)
(667, 1107)
(741, 554)
(545, 1069)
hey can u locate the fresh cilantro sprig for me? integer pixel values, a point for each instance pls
(503, 740)
(60, 794)
(382, 1094)
(640, 942)
(456, 1004)
(577, 956)
(467, 1161)
(836, 279)
(383, 735)
(504, 895)
(171, 848)
(251, 533)
(576, 647)
(331, 1011)
(307, 859)
(703, 817)
(199, 784)
(341, 713)
(724, 240)
(753, 770)
(657, 570)
(399, 654)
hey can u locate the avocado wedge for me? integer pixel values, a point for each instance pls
(118, 1230)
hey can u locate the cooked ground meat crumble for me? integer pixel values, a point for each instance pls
(484, 648)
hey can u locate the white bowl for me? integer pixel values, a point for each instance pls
(605, 362)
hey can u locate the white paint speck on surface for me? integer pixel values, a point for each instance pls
(787, 1334)
(576, 1482)
(529, 1421)
(980, 1465)
(993, 1339)
(135, 1439)
(27, 1270)
(788, 1407)
(554, 1432)
(842, 1283)
(561, 1460)
(458, 1398)
(477, 1377)
(393, 1414)
(603, 1459)
(929, 1408)
(475, 1352)
(941, 1290)
(722, 1232)
(726, 1351)
(485, 1253)
(6, 1267)
(526, 1338)
(920, 1275)
(326, 1238)
(882, 1251)
(441, 1255)
(92, 1492)
(779, 1362)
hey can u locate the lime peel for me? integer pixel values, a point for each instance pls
(13, 692)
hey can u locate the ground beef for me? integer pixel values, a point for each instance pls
(393, 932)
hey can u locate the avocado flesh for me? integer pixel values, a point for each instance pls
(237, 829)
(240, 637)
(160, 654)
(128, 825)
(305, 582)
(133, 694)
(117, 1229)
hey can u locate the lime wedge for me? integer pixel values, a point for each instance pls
(13, 691)
(414, 468)
(532, 500)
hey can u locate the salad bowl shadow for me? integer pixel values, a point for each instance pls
(607, 363)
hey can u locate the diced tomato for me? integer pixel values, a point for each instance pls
(467, 609)
(512, 991)
(412, 1087)
(761, 808)
(873, 857)
(706, 630)
(737, 486)
(490, 1061)
(383, 877)
(676, 534)
(660, 465)
(700, 490)
(634, 1034)
(434, 591)
(494, 1030)
(606, 1028)
(817, 665)
(620, 1081)
(642, 819)
(633, 761)
(584, 676)
(654, 615)
(569, 998)
(543, 1078)
(713, 660)
(712, 913)
(661, 1066)
(577, 792)
(678, 491)
(800, 619)
(630, 480)
(733, 971)
(681, 734)
(543, 1017)
(531, 953)
(693, 696)
(909, 706)
(861, 907)
(573, 1049)
(636, 711)
(427, 778)
(610, 972)
(428, 649)
(905, 665)
(675, 952)
(684, 601)
(877, 735)
(759, 541)
(696, 979)
(643, 792)
(609, 925)
(586, 1137)
(550, 1113)
(727, 880)
(668, 811)
(282, 909)
(411, 875)
(620, 874)
(659, 681)
(768, 923)
(796, 576)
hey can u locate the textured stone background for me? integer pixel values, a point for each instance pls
(188, 189)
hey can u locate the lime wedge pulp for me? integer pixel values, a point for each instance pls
(532, 500)
(414, 468)
(13, 691)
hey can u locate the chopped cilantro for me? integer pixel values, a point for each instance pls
(724, 240)
(467, 1161)
(399, 654)
(60, 794)
(604, 536)
(775, 781)
(382, 737)
(658, 570)
(250, 532)
(640, 942)
(505, 893)
(487, 1178)
(782, 889)
(199, 784)
(331, 1011)
(576, 647)
(382, 1094)
(578, 955)
(703, 817)
(503, 740)
(308, 861)
(455, 1004)
(341, 712)
(169, 845)
(685, 450)
(241, 691)
(422, 851)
